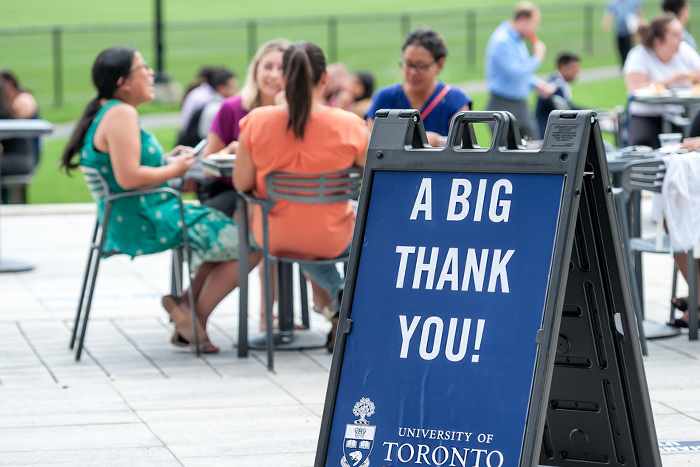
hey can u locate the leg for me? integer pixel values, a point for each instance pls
(199, 277)
(321, 296)
(261, 271)
(681, 260)
(213, 282)
(327, 276)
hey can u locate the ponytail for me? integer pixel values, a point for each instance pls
(79, 132)
(303, 64)
(110, 66)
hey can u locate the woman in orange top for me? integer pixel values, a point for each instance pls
(303, 136)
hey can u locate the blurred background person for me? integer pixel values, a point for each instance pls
(424, 54)
(680, 8)
(16, 157)
(205, 104)
(338, 81)
(664, 60)
(198, 93)
(357, 97)
(627, 16)
(510, 68)
(24, 105)
(568, 68)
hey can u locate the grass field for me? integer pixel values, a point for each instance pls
(370, 38)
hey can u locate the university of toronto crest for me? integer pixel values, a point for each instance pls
(359, 436)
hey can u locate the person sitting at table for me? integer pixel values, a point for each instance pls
(303, 136)
(357, 97)
(16, 155)
(108, 137)
(663, 60)
(568, 68)
(263, 84)
(424, 54)
(201, 105)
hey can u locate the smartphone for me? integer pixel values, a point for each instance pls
(197, 150)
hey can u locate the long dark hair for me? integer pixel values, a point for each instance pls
(6, 110)
(109, 66)
(303, 64)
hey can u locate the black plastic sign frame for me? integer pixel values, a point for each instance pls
(481, 405)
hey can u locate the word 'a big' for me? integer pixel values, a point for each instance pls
(460, 205)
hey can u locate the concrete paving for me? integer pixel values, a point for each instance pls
(135, 400)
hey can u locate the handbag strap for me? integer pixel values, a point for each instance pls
(424, 114)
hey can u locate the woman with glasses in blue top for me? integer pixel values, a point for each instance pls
(424, 53)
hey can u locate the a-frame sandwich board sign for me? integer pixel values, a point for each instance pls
(457, 283)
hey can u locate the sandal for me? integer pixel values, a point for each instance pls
(183, 325)
(677, 323)
(204, 347)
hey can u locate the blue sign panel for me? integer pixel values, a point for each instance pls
(448, 299)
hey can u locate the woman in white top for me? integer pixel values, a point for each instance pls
(664, 61)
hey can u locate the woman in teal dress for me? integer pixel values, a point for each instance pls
(108, 137)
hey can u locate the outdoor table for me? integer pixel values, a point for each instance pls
(688, 99)
(616, 165)
(20, 129)
(217, 169)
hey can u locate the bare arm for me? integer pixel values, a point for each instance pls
(214, 144)
(243, 169)
(607, 22)
(119, 135)
(635, 81)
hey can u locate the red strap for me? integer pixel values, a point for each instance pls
(435, 101)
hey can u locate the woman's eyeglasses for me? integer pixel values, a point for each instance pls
(143, 65)
(418, 67)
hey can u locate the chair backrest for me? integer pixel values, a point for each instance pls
(644, 175)
(95, 182)
(322, 188)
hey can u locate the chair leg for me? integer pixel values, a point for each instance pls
(81, 300)
(268, 315)
(674, 289)
(188, 257)
(304, 292)
(243, 266)
(176, 272)
(692, 296)
(88, 305)
(639, 278)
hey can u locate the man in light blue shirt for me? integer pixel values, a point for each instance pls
(510, 67)
(627, 15)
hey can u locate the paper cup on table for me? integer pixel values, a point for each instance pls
(670, 139)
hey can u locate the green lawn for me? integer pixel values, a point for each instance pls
(369, 36)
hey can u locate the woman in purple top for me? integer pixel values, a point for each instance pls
(263, 82)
